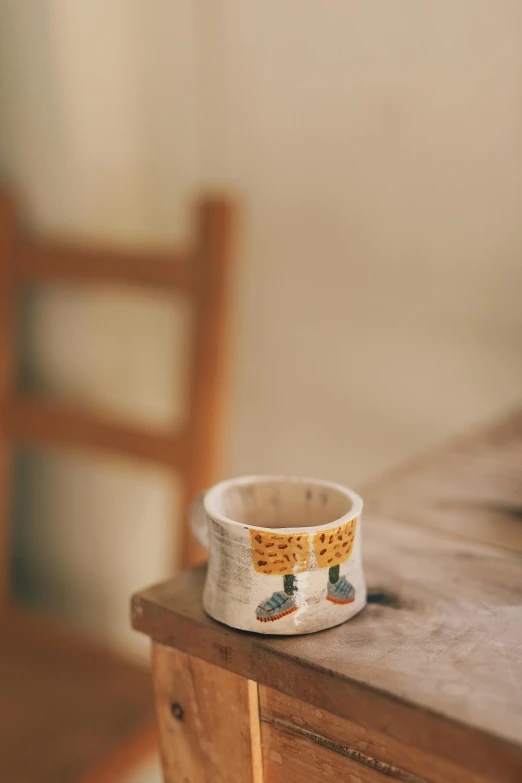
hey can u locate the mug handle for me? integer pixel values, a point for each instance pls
(199, 520)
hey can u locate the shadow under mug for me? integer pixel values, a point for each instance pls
(284, 553)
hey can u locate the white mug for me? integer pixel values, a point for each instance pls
(284, 553)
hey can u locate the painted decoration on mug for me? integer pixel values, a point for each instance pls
(333, 547)
(275, 554)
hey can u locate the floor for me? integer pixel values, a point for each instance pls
(148, 772)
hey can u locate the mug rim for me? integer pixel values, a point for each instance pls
(211, 495)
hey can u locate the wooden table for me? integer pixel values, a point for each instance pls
(424, 685)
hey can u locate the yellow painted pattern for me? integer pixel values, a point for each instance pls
(274, 553)
(334, 546)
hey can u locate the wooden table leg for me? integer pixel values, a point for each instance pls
(208, 721)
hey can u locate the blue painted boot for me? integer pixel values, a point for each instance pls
(279, 605)
(341, 592)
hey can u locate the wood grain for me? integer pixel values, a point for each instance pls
(255, 732)
(289, 756)
(371, 749)
(435, 660)
(436, 664)
(204, 720)
(470, 488)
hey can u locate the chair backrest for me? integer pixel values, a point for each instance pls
(202, 273)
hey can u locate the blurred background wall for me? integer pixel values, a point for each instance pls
(376, 149)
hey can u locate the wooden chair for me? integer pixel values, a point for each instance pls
(69, 711)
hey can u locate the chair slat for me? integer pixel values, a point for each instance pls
(48, 262)
(36, 420)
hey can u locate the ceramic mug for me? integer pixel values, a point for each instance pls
(284, 553)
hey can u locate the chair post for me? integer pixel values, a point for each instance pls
(208, 365)
(7, 382)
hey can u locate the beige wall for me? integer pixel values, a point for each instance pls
(377, 148)
(380, 147)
